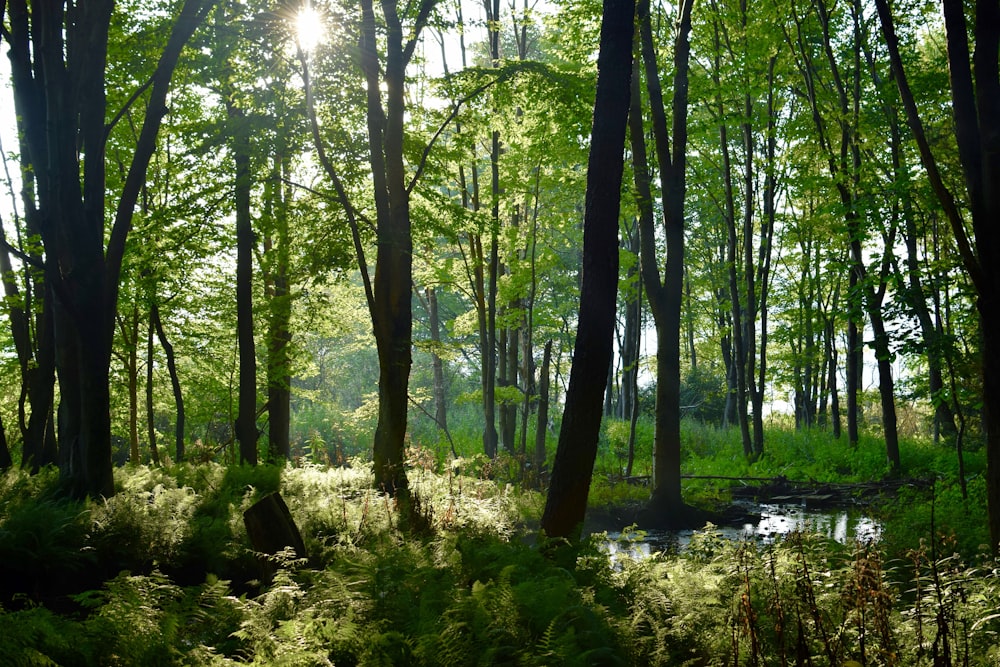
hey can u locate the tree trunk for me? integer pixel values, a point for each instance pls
(58, 67)
(831, 355)
(440, 396)
(35, 354)
(279, 338)
(175, 382)
(632, 333)
(507, 378)
(392, 315)
(490, 436)
(542, 424)
(5, 460)
(665, 298)
(130, 337)
(246, 417)
(740, 349)
(154, 451)
(566, 502)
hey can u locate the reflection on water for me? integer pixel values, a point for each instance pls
(844, 526)
(840, 525)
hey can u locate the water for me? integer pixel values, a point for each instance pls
(776, 521)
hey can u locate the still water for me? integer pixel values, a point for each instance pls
(776, 521)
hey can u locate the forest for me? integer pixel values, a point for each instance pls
(356, 333)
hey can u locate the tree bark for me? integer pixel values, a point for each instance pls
(632, 332)
(566, 502)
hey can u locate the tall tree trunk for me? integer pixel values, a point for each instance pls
(507, 378)
(130, 336)
(740, 349)
(279, 337)
(633, 325)
(35, 354)
(830, 346)
(566, 502)
(490, 436)
(392, 315)
(246, 416)
(853, 360)
(609, 390)
(527, 327)
(665, 298)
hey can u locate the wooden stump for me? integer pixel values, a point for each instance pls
(271, 528)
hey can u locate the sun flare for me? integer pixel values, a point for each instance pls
(308, 28)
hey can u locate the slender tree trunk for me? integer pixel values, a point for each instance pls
(527, 327)
(633, 406)
(154, 451)
(542, 424)
(440, 397)
(690, 311)
(175, 383)
(132, 371)
(740, 351)
(831, 355)
(279, 339)
(490, 436)
(246, 417)
(35, 354)
(633, 325)
(5, 460)
(609, 391)
(507, 379)
(566, 501)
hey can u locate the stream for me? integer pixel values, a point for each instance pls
(776, 520)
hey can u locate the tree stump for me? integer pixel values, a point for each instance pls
(271, 530)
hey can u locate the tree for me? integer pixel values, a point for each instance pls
(383, 64)
(843, 154)
(566, 501)
(59, 56)
(975, 90)
(665, 296)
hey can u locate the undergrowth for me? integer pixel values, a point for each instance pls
(162, 574)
